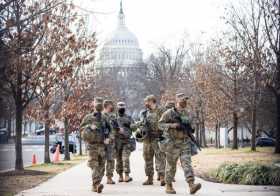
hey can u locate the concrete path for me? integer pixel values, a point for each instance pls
(76, 182)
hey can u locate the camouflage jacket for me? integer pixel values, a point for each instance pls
(112, 120)
(101, 132)
(127, 124)
(153, 117)
(169, 117)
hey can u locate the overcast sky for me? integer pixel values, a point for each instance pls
(157, 22)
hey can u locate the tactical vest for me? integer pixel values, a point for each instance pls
(175, 133)
(124, 122)
(153, 118)
(94, 136)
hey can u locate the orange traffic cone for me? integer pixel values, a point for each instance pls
(34, 159)
(56, 157)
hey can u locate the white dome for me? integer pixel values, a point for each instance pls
(121, 49)
(122, 37)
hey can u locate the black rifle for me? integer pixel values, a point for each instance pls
(104, 128)
(145, 124)
(187, 128)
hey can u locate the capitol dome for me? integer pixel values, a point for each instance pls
(121, 48)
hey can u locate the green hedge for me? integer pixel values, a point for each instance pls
(249, 173)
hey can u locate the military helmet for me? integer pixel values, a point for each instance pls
(151, 98)
(181, 96)
(98, 104)
(140, 135)
(121, 105)
(107, 102)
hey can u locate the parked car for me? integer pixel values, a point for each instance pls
(42, 131)
(265, 141)
(59, 139)
(4, 137)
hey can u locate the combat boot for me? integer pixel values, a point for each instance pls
(149, 181)
(99, 188)
(162, 181)
(127, 178)
(194, 187)
(110, 180)
(94, 188)
(120, 177)
(158, 177)
(169, 189)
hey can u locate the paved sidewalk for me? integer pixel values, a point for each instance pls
(77, 182)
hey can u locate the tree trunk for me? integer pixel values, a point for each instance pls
(66, 140)
(47, 137)
(18, 145)
(9, 127)
(80, 143)
(253, 139)
(203, 136)
(216, 135)
(200, 134)
(24, 128)
(254, 111)
(197, 132)
(19, 117)
(197, 127)
(219, 135)
(277, 143)
(235, 127)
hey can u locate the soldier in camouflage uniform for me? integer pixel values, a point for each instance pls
(169, 104)
(178, 145)
(108, 112)
(123, 145)
(95, 132)
(150, 143)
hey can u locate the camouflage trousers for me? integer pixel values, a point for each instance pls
(110, 160)
(96, 161)
(123, 154)
(151, 150)
(180, 149)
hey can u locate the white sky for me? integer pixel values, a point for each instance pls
(157, 22)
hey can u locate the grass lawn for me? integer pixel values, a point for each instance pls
(209, 159)
(13, 182)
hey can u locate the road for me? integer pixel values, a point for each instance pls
(8, 155)
(31, 145)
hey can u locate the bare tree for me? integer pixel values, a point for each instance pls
(246, 21)
(271, 14)
(166, 69)
(23, 29)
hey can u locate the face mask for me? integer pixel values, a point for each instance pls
(121, 111)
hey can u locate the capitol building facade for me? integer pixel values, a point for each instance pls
(121, 60)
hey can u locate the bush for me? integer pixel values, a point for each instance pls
(249, 173)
